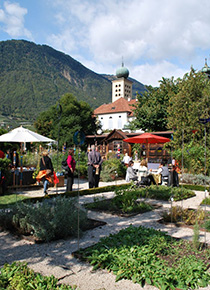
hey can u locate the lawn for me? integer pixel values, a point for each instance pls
(10, 199)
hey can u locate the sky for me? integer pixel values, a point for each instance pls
(154, 38)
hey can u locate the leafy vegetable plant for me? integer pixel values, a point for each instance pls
(147, 256)
(19, 276)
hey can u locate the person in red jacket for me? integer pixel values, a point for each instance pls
(71, 168)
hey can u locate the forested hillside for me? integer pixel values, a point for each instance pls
(33, 77)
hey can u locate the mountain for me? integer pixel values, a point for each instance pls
(33, 77)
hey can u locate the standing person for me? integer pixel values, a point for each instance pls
(94, 163)
(70, 175)
(98, 167)
(46, 171)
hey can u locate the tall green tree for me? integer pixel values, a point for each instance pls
(75, 116)
(151, 109)
(187, 105)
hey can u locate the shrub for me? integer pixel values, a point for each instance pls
(193, 156)
(81, 163)
(158, 192)
(199, 179)
(31, 159)
(125, 201)
(48, 220)
(112, 168)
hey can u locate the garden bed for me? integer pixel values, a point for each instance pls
(51, 219)
(187, 217)
(89, 225)
(147, 256)
(110, 206)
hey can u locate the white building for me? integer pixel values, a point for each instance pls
(120, 112)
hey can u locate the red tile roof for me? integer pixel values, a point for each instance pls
(121, 105)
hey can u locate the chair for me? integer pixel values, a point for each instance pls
(165, 180)
(165, 176)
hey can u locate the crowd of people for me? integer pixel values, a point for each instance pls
(142, 175)
(162, 175)
(94, 168)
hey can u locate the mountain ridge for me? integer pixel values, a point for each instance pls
(33, 77)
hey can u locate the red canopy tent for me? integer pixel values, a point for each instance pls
(147, 138)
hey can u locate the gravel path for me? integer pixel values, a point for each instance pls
(56, 257)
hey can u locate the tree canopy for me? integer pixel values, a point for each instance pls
(190, 103)
(151, 109)
(178, 105)
(64, 120)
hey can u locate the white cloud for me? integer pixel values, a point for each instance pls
(12, 18)
(63, 42)
(146, 29)
(151, 74)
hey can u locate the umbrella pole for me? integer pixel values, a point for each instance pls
(21, 170)
(147, 148)
(14, 163)
(21, 164)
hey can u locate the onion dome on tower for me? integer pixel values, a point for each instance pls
(122, 72)
(206, 69)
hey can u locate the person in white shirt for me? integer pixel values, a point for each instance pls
(130, 173)
(126, 159)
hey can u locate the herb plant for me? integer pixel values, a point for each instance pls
(48, 220)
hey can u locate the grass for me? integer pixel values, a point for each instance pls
(195, 187)
(10, 199)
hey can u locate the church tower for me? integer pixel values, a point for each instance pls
(122, 87)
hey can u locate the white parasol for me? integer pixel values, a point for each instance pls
(23, 135)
